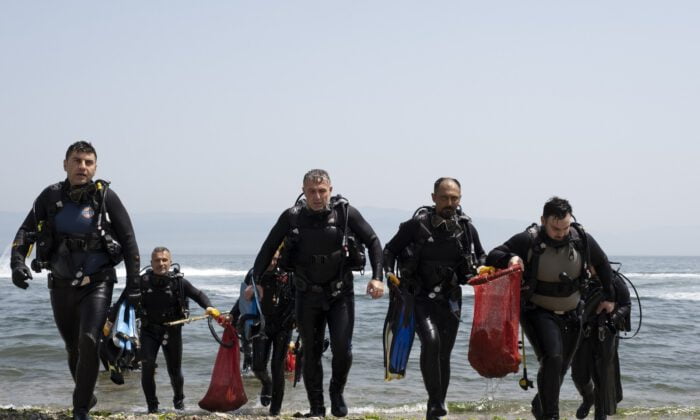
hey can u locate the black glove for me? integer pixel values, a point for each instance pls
(133, 296)
(20, 275)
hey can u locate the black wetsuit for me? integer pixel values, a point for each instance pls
(324, 288)
(164, 299)
(72, 251)
(595, 368)
(436, 267)
(278, 308)
(553, 334)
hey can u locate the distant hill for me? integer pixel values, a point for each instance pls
(243, 233)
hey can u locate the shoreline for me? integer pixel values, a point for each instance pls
(45, 413)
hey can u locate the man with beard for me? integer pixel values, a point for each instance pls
(437, 251)
(555, 258)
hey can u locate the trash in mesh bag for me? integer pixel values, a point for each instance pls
(226, 391)
(493, 344)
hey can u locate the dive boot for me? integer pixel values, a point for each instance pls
(265, 395)
(81, 415)
(338, 407)
(584, 408)
(435, 410)
(152, 406)
(276, 405)
(587, 392)
(179, 404)
(93, 402)
(316, 411)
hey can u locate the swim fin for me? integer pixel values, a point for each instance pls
(251, 319)
(606, 370)
(399, 331)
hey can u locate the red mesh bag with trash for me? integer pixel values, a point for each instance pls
(493, 344)
(226, 391)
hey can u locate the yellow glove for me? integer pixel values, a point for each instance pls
(213, 312)
(107, 328)
(486, 269)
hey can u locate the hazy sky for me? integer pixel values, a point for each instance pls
(210, 106)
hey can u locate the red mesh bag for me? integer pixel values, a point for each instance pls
(226, 391)
(493, 344)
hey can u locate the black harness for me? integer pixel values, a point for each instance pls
(566, 286)
(49, 240)
(450, 277)
(350, 255)
(170, 302)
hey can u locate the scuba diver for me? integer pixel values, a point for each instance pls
(437, 251)
(164, 298)
(81, 231)
(556, 258)
(276, 300)
(595, 369)
(321, 236)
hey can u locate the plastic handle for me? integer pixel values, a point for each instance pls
(484, 278)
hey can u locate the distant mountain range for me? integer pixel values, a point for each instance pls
(243, 233)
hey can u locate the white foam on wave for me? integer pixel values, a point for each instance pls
(211, 272)
(6, 272)
(691, 296)
(406, 408)
(663, 275)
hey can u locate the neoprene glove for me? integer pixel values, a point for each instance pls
(20, 275)
(213, 312)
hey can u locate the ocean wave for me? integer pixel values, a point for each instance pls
(5, 272)
(691, 296)
(663, 275)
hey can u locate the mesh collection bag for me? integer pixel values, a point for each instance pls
(226, 391)
(493, 344)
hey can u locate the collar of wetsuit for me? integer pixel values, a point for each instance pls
(448, 224)
(81, 193)
(161, 280)
(317, 213)
(554, 243)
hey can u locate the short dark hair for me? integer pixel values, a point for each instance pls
(160, 249)
(443, 179)
(81, 147)
(317, 176)
(557, 207)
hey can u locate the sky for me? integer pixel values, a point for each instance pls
(222, 106)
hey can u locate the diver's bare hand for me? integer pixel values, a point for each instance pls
(375, 288)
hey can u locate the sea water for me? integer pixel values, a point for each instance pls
(660, 366)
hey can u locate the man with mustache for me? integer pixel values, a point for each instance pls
(436, 251)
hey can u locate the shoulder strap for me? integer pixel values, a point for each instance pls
(55, 199)
(536, 249)
(582, 240)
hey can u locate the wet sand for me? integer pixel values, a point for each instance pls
(57, 414)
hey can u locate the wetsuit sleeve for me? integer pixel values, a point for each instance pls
(195, 294)
(272, 242)
(124, 232)
(393, 248)
(364, 231)
(517, 245)
(478, 249)
(600, 263)
(25, 234)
